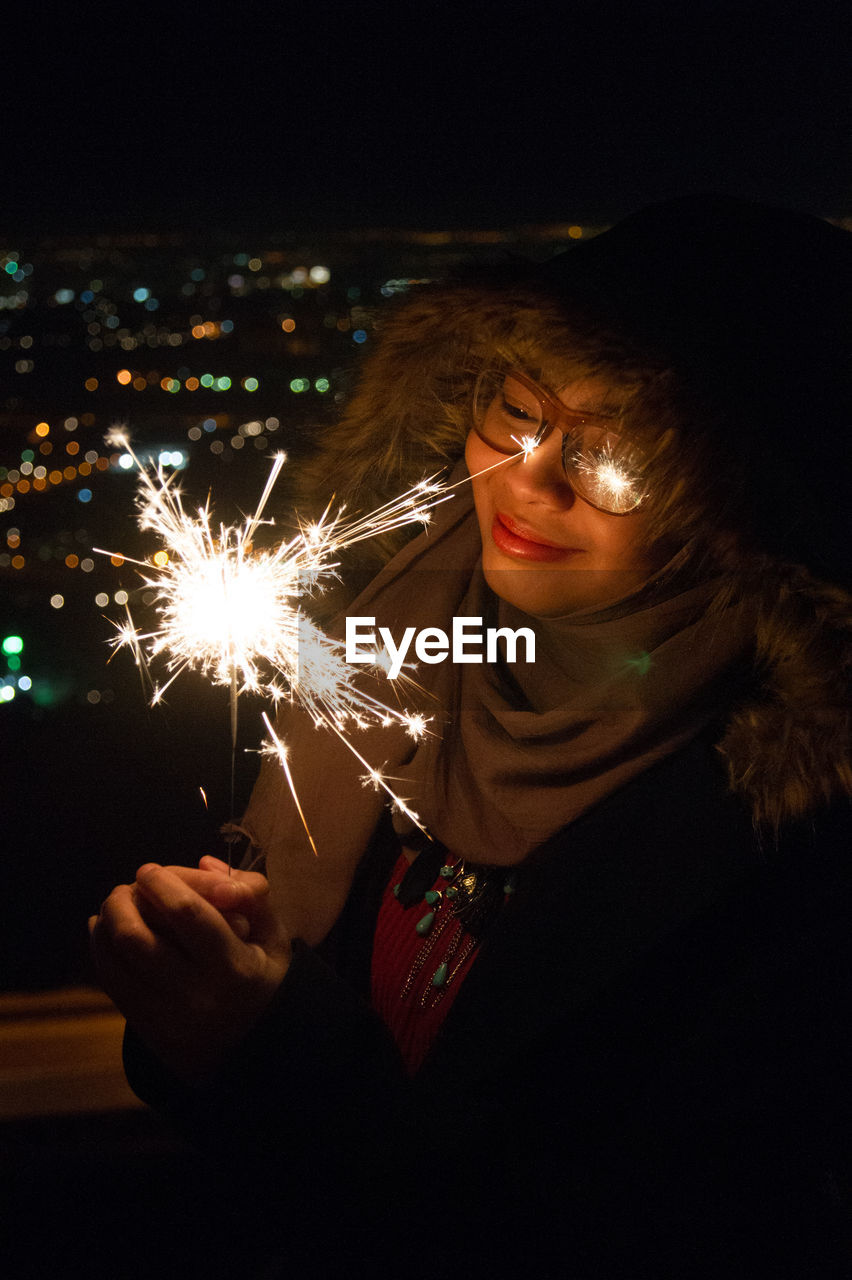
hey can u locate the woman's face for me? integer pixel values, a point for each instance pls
(544, 549)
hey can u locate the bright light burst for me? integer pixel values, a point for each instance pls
(612, 479)
(527, 444)
(234, 611)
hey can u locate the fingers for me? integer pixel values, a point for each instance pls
(200, 880)
(120, 923)
(190, 979)
(177, 915)
(252, 879)
(123, 942)
(244, 894)
(209, 863)
(238, 893)
(204, 879)
(234, 896)
(239, 924)
(231, 895)
(183, 914)
(231, 898)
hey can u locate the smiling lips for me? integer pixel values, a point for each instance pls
(523, 543)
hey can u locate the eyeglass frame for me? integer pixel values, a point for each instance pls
(545, 400)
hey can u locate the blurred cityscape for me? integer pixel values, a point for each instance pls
(213, 356)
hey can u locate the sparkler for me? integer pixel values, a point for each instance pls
(527, 445)
(235, 612)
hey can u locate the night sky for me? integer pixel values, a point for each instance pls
(467, 114)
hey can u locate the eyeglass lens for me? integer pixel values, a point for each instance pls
(602, 465)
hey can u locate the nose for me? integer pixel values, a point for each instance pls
(540, 477)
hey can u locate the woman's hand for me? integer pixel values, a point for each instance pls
(192, 958)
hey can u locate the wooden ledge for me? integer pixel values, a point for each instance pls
(60, 1054)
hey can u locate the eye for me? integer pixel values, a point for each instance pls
(512, 408)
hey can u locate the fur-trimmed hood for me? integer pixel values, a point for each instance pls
(786, 745)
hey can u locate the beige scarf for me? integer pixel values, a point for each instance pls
(516, 752)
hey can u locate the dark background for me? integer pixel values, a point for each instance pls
(337, 115)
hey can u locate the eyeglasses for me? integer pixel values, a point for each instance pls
(603, 466)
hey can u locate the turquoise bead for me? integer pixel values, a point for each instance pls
(432, 897)
(447, 871)
(396, 890)
(424, 924)
(452, 892)
(440, 976)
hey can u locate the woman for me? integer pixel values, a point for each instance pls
(592, 1023)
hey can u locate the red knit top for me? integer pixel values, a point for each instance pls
(416, 975)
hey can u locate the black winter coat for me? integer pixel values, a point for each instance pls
(646, 1073)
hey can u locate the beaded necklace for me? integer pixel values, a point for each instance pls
(461, 903)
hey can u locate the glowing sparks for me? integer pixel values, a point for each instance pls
(527, 444)
(417, 726)
(608, 475)
(280, 751)
(612, 481)
(235, 612)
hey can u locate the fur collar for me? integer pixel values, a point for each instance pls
(786, 744)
